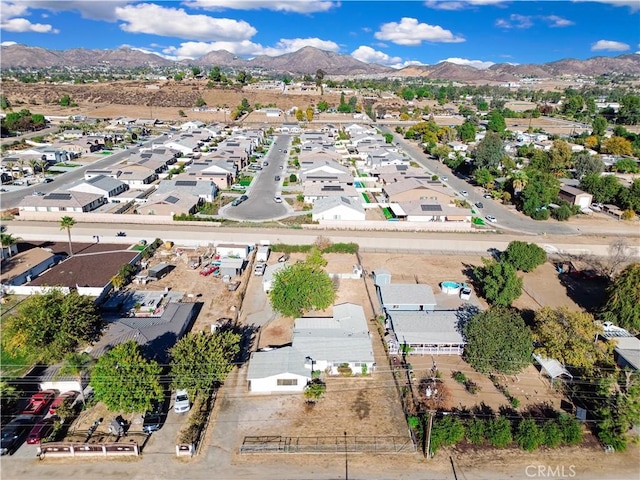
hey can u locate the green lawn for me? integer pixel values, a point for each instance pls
(12, 366)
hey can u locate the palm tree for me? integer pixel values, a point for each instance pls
(7, 241)
(77, 365)
(10, 166)
(68, 223)
(519, 180)
(33, 164)
(43, 164)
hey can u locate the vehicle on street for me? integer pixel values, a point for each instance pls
(444, 178)
(238, 187)
(277, 178)
(487, 195)
(479, 205)
(596, 207)
(69, 396)
(281, 167)
(121, 234)
(259, 269)
(39, 402)
(181, 403)
(13, 434)
(277, 199)
(254, 167)
(285, 151)
(464, 193)
(236, 202)
(38, 194)
(40, 430)
(283, 258)
(47, 180)
(491, 218)
(265, 163)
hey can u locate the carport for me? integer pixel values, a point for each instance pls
(552, 368)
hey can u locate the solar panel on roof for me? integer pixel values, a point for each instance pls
(186, 183)
(401, 167)
(58, 196)
(172, 199)
(431, 208)
(333, 188)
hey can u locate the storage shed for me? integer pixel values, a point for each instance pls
(159, 271)
(232, 250)
(406, 297)
(381, 277)
(231, 266)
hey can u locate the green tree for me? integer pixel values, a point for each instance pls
(202, 361)
(4, 103)
(9, 396)
(65, 100)
(585, 164)
(53, 323)
(215, 74)
(570, 429)
(300, 288)
(626, 165)
(241, 77)
(319, 78)
(476, 431)
(524, 256)
(499, 432)
(315, 390)
(178, 77)
(489, 151)
(67, 223)
(200, 102)
(195, 71)
(629, 110)
(616, 146)
(622, 307)
(496, 122)
(619, 409)
(498, 341)
(323, 106)
(604, 189)
(77, 365)
(599, 126)
(467, 131)
(541, 190)
(528, 435)
(125, 380)
(551, 434)
(567, 336)
(483, 176)
(499, 282)
(560, 157)
(441, 151)
(7, 241)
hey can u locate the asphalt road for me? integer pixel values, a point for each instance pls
(12, 198)
(261, 205)
(506, 219)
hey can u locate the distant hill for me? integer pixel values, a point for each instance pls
(309, 60)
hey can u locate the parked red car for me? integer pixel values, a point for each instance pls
(39, 401)
(70, 395)
(41, 430)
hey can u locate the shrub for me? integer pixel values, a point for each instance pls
(342, 248)
(445, 431)
(476, 431)
(552, 436)
(293, 178)
(563, 213)
(345, 370)
(459, 377)
(315, 390)
(570, 429)
(528, 435)
(499, 432)
(540, 215)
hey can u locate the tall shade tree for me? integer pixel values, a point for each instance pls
(496, 122)
(499, 282)
(67, 223)
(524, 256)
(599, 126)
(53, 323)
(201, 361)
(585, 164)
(300, 288)
(126, 381)
(623, 299)
(618, 408)
(616, 146)
(568, 337)
(77, 365)
(489, 151)
(498, 341)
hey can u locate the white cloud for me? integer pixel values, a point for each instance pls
(610, 46)
(459, 5)
(94, 10)
(515, 21)
(12, 10)
(21, 25)
(175, 22)
(410, 32)
(556, 21)
(633, 5)
(479, 64)
(8, 43)
(248, 48)
(295, 6)
(369, 55)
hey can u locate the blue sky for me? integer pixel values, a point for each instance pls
(391, 33)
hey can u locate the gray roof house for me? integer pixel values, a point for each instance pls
(101, 185)
(338, 208)
(203, 189)
(154, 334)
(59, 201)
(427, 333)
(319, 343)
(406, 296)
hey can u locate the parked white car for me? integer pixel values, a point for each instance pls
(182, 403)
(491, 218)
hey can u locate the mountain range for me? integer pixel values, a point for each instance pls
(308, 60)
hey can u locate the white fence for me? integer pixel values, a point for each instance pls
(391, 226)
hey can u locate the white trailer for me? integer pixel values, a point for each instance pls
(262, 255)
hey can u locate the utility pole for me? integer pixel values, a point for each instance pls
(429, 426)
(346, 458)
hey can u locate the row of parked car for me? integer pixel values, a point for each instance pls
(36, 421)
